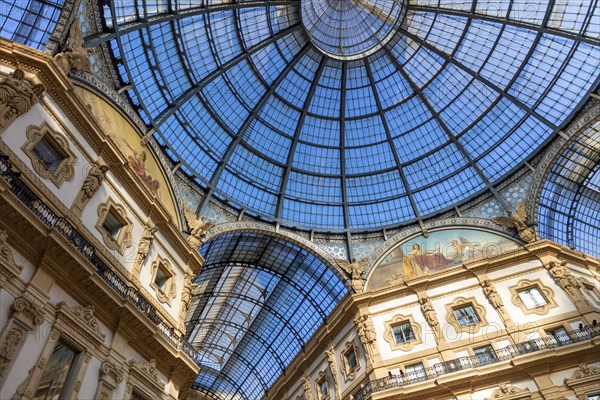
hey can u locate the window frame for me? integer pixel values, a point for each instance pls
(124, 236)
(69, 381)
(168, 292)
(65, 169)
(550, 334)
(492, 355)
(463, 302)
(422, 370)
(348, 371)
(526, 284)
(390, 337)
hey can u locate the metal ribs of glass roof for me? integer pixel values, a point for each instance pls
(259, 300)
(461, 97)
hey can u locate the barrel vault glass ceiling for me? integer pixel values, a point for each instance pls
(353, 115)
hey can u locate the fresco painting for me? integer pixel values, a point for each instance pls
(441, 250)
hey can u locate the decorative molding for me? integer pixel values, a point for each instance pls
(462, 302)
(355, 271)
(430, 315)
(546, 292)
(65, 171)
(366, 333)
(565, 279)
(92, 183)
(109, 369)
(124, 237)
(505, 392)
(349, 373)
(84, 316)
(306, 385)
(583, 372)
(333, 369)
(143, 376)
(170, 292)
(388, 334)
(27, 312)
(7, 260)
(143, 247)
(17, 96)
(186, 298)
(11, 339)
(584, 380)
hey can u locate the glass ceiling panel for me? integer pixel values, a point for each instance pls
(462, 92)
(259, 299)
(569, 210)
(30, 22)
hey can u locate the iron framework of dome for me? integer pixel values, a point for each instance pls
(461, 96)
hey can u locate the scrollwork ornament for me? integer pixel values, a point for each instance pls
(29, 309)
(54, 334)
(42, 362)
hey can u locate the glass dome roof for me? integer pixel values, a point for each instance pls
(296, 112)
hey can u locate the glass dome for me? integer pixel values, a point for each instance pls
(353, 115)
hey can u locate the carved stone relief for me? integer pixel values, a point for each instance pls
(17, 95)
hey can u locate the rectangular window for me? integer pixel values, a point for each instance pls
(48, 153)
(485, 355)
(532, 297)
(57, 373)
(593, 396)
(350, 359)
(466, 315)
(558, 336)
(112, 224)
(323, 389)
(161, 279)
(416, 372)
(592, 293)
(403, 332)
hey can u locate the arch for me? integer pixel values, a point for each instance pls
(260, 294)
(567, 189)
(271, 230)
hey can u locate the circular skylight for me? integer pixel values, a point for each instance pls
(351, 29)
(289, 110)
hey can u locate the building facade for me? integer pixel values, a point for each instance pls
(130, 270)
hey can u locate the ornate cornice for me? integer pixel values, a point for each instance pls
(27, 311)
(109, 369)
(506, 392)
(145, 373)
(79, 321)
(583, 373)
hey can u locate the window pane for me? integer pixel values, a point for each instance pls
(416, 372)
(532, 297)
(466, 315)
(559, 336)
(47, 153)
(485, 355)
(403, 333)
(56, 372)
(351, 359)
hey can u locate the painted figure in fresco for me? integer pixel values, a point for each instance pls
(418, 262)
